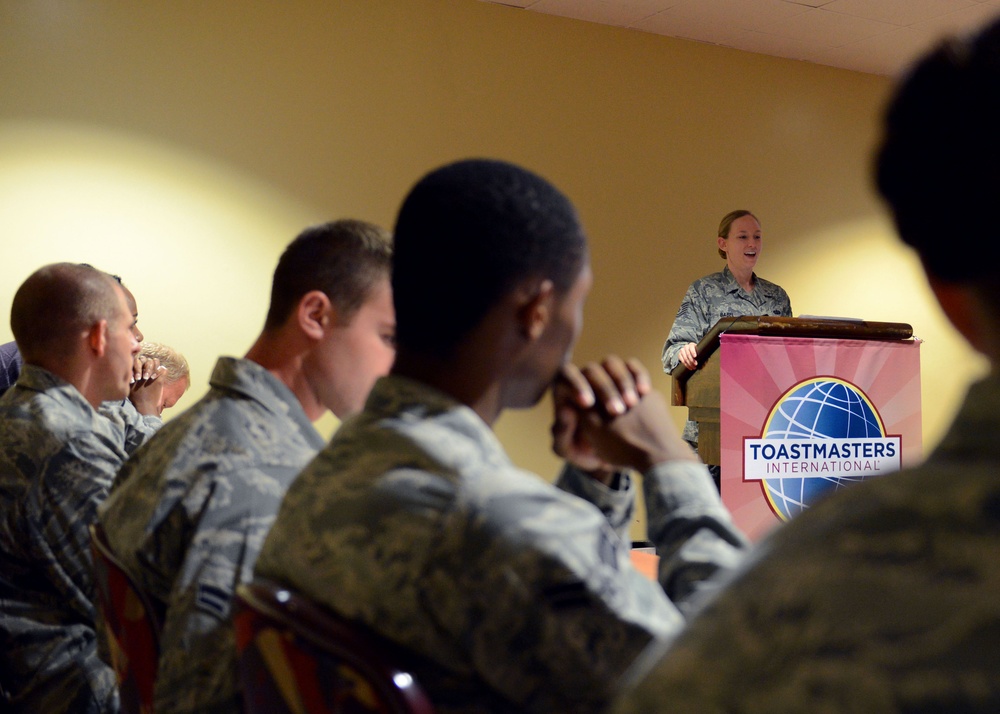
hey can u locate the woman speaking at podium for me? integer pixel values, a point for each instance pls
(733, 292)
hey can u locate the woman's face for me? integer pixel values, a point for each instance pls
(743, 245)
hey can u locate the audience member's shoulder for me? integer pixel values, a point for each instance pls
(62, 414)
(924, 499)
(9, 353)
(60, 438)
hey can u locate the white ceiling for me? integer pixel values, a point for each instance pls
(874, 36)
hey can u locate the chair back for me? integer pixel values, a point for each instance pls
(131, 624)
(296, 657)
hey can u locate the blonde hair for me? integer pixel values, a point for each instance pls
(727, 223)
(174, 361)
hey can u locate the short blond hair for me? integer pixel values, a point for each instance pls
(174, 362)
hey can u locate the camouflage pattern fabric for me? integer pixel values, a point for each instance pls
(136, 427)
(123, 414)
(707, 301)
(57, 459)
(189, 512)
(512, 594)
(881, 598)
(617, 504)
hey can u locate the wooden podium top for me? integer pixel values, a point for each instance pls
(822, 327)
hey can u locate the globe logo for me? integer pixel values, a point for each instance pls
(816, 409)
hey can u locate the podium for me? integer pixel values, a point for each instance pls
(792, 407)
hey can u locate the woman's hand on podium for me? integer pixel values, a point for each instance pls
(688, 356)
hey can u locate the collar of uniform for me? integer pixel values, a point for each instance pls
(393, 393)
(407, 398)
(252, 381)
(61, 398)
(38, 379)
(443, 420)
(731, 285)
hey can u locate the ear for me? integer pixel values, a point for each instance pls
(964, 310)
(721, 242)
(535, 309)
(315, 314)
(97, 338)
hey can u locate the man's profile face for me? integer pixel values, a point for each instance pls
(120, 350)
(355, 354)
(555, 346)
(172, 392)
(568, 320)
(134, 312)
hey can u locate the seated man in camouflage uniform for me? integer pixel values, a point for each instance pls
(57, 459)
(512, 594)
(189, 512)
(137, 415)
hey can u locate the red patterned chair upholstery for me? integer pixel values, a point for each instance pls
(296, 657)
(131, 624)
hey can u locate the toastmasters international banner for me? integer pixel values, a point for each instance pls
(801, 417)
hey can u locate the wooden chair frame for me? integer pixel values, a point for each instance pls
(132, 625)
(296, 656)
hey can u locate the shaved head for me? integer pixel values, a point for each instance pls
(56, 304)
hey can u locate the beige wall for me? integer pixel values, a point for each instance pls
(182, 144)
